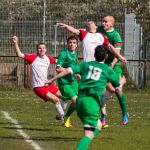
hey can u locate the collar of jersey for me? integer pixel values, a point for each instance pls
(110, 30)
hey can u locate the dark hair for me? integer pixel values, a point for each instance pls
(40, 43)
(100, 52)
(72, 37)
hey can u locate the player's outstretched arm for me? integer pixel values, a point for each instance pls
(61, 74)
(117, 54)
(59, 69)
(17, 49)
(69, 28)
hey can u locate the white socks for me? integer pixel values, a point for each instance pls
(59, 109)
(64, 104)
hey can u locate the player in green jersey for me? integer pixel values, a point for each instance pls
(68, 85)
(94, 78)
(114, 38)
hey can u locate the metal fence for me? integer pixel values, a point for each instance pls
(34, 21)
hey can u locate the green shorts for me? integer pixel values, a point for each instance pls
(118, 70)
(68, 91)
(88, 110)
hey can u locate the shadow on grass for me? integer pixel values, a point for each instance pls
(42, 138)
(45, 129)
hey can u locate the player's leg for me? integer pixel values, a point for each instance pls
(70, 110)
(69, 92)
(54, 99)
(121, 96)
(54, 96)
(48, 93)
(106, 96)
(122, 101)
(88, 111)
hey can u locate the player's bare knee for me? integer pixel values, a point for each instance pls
(56, 100)
(89, 132)
(58, 94)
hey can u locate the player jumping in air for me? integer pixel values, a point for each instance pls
(39, 65)
(90, 38)
(114, 38)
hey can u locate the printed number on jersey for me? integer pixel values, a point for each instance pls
(94, 73)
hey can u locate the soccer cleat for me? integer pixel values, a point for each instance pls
(125, 119)
(67, 122)
(103, 121)
(61, 118)
(105, 126)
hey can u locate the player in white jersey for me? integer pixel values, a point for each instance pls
(90, 39)
(39, 65)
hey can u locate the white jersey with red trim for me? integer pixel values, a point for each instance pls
(39, 68)
(89, 42)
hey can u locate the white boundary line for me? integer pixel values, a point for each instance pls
(21, 132)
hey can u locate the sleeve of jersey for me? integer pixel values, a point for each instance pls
(51, 59)
(61, 59)
(117, 41)
(113, 78)
(82, 34)
(76, 69)
(30, 57)
(106, 42)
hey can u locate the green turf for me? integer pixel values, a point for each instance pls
(38, 120)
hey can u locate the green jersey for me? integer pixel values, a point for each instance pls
(67, 59)
(115, 39)
(95, 77)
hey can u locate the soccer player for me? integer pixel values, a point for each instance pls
(94, 78)
(114, 38)
(90, 39)
(39, 65)
(68, 85)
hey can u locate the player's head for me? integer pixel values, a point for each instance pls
(72, 43)
(108, 22)
(41, 49)
(91, 26)
(101, 53)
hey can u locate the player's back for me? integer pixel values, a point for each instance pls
(95, 76)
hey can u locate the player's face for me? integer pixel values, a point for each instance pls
(107, 23)
(72, 45)
(91, 25)
(41, 50)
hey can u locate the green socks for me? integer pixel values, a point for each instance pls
(84, 143)
(70, 110)
(96, 132)
(122, 102)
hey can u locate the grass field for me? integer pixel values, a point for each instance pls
(36, 120)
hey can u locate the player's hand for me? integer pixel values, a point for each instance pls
(48, 82)
(59, 69)
(78, 76)
(62, 25)
(123, 60)
(15, 39)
